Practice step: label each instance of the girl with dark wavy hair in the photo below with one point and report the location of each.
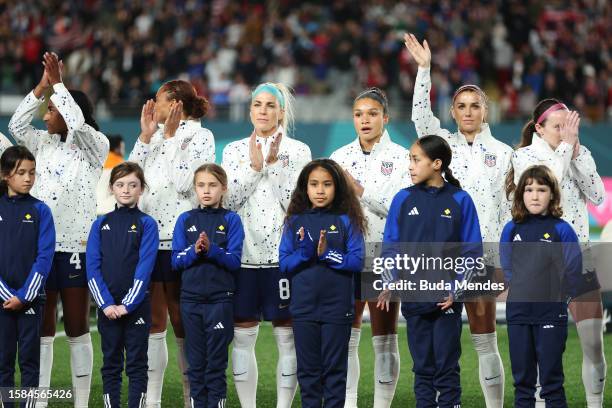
(321, 250)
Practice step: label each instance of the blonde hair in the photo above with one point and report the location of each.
(286, 104)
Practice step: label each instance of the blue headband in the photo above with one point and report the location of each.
(272, 89)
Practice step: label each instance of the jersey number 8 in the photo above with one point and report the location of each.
(283, 289)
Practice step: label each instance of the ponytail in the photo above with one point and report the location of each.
(448, 176)
(527, 134)
(288, 122)
(509, 183)
(194, 105)
(436, 148)
(527, 137)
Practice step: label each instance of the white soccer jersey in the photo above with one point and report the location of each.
(382, 173)
(578, 178)
(480, 168)
(261, 197)
(67, 173)
(4, 143)
(169, 165)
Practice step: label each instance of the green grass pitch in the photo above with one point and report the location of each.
(267, 354)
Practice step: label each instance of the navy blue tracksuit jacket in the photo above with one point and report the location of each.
(208, 278)
(121, 252)
(420, 214)
(27, 245)
(542, 264)
(322, 300)
(424, 215)
(322, 288)
(207, 292)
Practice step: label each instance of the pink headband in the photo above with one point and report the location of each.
(554, 108)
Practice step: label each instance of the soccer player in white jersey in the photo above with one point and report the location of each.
(171, 145)
(481, 163)
(69, 158)
(262, 172)
(377, 168)
(551, 138)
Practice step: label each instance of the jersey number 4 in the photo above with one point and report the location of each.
(75, 260)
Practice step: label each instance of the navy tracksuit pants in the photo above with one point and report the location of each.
(125, 340)
(536, 347)
(434, 340)
(322, 362)
(20, 331)
(209, 330)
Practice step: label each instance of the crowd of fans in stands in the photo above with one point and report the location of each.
(120, 52)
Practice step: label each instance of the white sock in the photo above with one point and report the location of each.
(183, 366)
(286, 368)
(352, 374)
(244, 365)
(81, 366)
(46, 363)
(157, 356)
(539, 402)
(490, 368)
(386, 369)
(590, 332)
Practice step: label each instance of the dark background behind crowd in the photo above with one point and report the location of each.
(120, 52)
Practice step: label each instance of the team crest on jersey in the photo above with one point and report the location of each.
(386, 168)
(333, 229)
(490, 159)
(546, 237)
(185, 143)
(284, 159)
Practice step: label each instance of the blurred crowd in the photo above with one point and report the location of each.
(120, 51)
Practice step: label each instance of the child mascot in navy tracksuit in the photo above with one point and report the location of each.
(434, 210)
(27, 243)
(543, 275)
(206, 249)
(121, 252)
(321, 249)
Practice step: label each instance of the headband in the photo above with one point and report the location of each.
(554, 108)
(272, 89)
(469, 87)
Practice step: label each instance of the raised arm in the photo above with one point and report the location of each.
(5, 143)
(187, 155)
(584, 172)
(424, 120)
(20, 124)
(92, 143)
